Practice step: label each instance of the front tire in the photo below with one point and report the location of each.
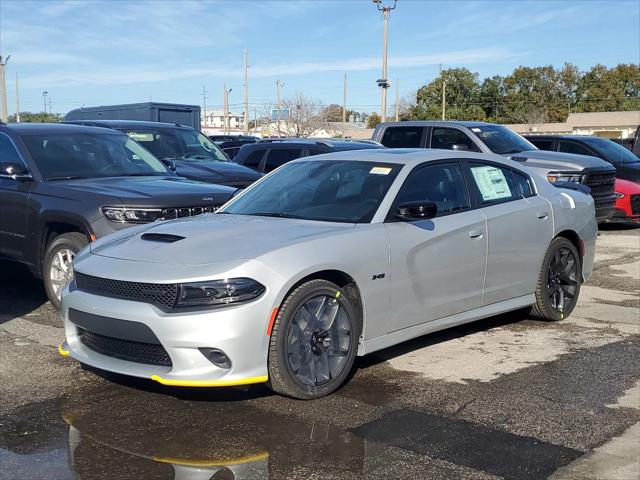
(558, 284)
(57, 267)
(314, 341)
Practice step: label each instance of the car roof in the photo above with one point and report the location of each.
(431, 123)
(322, 142)
(129, 124)
(404, 156)
(62, 128)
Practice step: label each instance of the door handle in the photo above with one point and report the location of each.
(543, 215)
(476, 233)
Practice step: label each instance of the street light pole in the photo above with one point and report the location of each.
(204, 104)
(227, 126)
(383, 82)
(279, 85)
(246, 94)
(3, 86)
(44, 101)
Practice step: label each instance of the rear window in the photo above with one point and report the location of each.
(279, 156)
(403, 137)
(253, 160)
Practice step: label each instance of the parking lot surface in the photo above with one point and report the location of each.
(508, 397)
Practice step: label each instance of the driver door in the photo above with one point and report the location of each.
(437, 266)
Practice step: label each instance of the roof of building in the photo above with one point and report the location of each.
(583, 120)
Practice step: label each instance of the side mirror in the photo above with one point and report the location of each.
(417, 211)
(460, 147)
(15, 171)
(170, 164)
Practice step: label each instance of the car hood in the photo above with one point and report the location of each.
(560, 161)
(148, 191)
(627, 187)
(212, 238)
(216, 172)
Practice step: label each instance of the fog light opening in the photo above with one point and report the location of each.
(217, 357)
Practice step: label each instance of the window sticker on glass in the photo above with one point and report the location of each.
(380, 171)
(476, 129)
(491, 183)
(141, 136)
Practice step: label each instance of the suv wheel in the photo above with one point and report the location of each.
(313, 342)
(57, 268)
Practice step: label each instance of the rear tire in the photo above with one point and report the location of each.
(559, 281)
(57, 267)
(314, 341)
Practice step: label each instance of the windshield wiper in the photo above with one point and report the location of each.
(70, 177)
(508, 152)
(274, 214)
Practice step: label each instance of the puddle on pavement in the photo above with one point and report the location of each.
(139, 435)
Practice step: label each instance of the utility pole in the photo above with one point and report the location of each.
(279, 85)
(444, 99)
(255, 119)
(344, 101)
(246, 94)
(17, 101)
(383, 82)
(3, 85)
(50, 106)
(44, 101)
(227, 125)
(204, 104)
(397, 101)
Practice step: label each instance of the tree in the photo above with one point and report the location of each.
(42, 117)
(306, 116)
(491, 94)
(373, 120)
(603, 89)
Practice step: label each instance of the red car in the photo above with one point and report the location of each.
(627, 202)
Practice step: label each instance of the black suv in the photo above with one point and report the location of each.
(62, 186)
(627, 164)
(194, 155)
(268, 155)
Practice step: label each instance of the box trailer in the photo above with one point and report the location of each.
(147, 111)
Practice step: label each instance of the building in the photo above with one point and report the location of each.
(600, 124)
(213, 122)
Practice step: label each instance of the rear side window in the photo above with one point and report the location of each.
(573, 147)
(253, 160)
(452, 139)
(523, 184)
(542, 144)
(495, 184)
(279, 156)
(403, 137)
(314, 151)
(8, 153)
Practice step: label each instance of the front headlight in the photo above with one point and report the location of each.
(555, 177)
(218, 292)
(619, 195)
(132, 215)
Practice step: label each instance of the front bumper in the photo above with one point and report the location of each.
(238, 331)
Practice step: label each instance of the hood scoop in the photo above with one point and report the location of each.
(161, 237)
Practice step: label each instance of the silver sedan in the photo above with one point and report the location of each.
(325, 259)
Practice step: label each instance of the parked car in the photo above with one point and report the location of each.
(327, 258)
(627, 201)
(187, 151)
(492, 138)
(62, 186)
(269, 154)
(627, 164)
(232, 147)
(218, 139)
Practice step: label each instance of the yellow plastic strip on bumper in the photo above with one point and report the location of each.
(62, 351)
(211, 463)
(209, 383)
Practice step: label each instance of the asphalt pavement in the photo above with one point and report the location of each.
(507, 397)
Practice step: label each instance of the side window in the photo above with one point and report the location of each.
(523, 185)
(542, 144)
(402, 137)
(452, 139)
(314, 151)
(495, 184)
(573, 147)
(8, 153)
(253, 160)
(441, 184)
(280, 156)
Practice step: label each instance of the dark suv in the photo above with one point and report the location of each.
(486, 137)
(627, 164)
(62, 186)
(194, 155)
(269, 154)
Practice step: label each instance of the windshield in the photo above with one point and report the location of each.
(178, 144)
(88, 155)
(614, 152)
(334, 191)
(502, 140)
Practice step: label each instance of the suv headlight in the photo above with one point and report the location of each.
(218, 292)
(132, 215)
(554, 177)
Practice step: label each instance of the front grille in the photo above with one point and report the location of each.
(163, 295)
(149, 353)
(635, 204)
(601, 184)
(171, 213)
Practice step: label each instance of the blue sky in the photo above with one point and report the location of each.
(94, 52)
